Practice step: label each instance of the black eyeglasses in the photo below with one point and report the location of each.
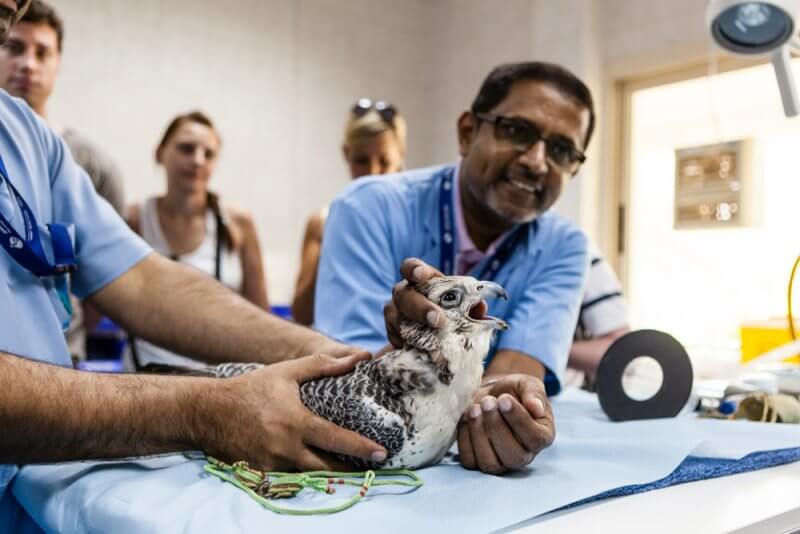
(522, 135)
(386, 110)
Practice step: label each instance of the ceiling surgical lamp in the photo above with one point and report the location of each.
(767, 28)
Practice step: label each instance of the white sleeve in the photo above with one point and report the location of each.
(603, 309)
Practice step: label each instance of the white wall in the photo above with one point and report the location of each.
(279, 76)
(651, 34)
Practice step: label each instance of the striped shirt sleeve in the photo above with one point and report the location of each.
(603, 309)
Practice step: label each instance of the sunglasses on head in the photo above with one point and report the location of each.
(386, 110)
(522, 135)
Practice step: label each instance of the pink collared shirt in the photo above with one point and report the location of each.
(467, 255)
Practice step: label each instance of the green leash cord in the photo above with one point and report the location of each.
(265, 487)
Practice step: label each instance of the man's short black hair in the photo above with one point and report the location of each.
(498, 83)
(42, 13)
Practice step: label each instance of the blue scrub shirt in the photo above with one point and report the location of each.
(41, 168)
(378, 222)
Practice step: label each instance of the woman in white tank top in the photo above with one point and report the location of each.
(189, 225)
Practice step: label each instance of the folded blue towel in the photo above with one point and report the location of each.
(696, 468)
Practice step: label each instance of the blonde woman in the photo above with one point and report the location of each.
(189, 225)
(374, 143)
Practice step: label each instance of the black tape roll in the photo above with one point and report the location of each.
(676, 370)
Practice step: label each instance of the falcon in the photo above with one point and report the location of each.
(410, 400)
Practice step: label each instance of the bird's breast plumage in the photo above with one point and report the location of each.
(400, 402)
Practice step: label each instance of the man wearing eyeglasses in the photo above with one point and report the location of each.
(487, 216)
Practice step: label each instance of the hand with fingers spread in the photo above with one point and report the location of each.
(259, 417)
(410, 305)
(508, 424)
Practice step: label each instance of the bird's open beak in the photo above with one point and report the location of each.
(492, 290)
(489, 290)
(496, 322)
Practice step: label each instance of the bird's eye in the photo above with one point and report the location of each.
(450, 298)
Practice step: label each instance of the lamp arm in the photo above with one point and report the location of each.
(782, 63)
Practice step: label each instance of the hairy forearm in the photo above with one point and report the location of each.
(51, 413)
(180, 309)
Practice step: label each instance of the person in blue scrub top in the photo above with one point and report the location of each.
(488, 216)
(52, 223)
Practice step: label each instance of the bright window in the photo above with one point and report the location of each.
(701, 284)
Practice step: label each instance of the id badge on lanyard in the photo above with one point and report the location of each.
(27, 250)
(448, 246)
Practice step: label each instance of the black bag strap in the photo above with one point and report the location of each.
(218, 247)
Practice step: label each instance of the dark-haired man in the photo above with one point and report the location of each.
(30, 61)
(487, 216)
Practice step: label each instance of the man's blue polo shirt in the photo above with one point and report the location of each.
(377, 222)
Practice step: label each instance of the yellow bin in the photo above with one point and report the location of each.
(760, 336)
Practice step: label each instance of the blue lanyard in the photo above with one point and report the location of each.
(28, 251)
(448, 247)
